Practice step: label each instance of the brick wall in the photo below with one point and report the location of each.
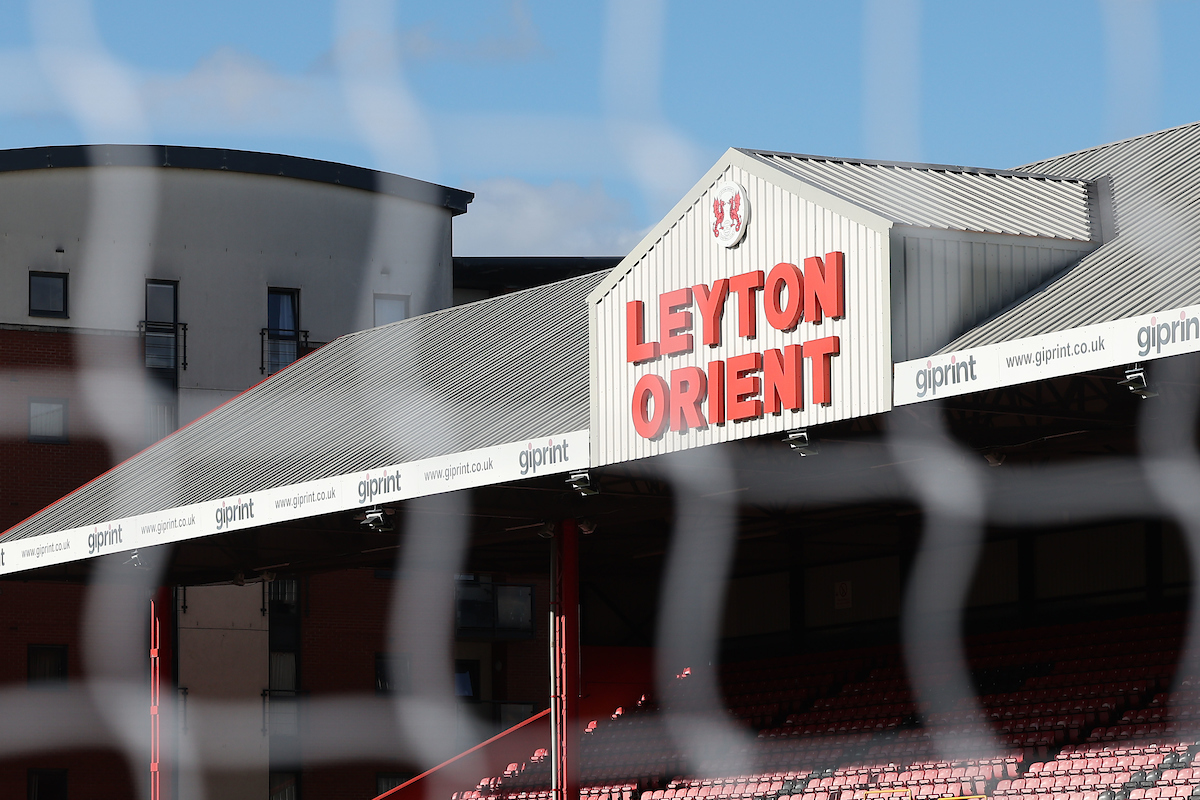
(101, 379)
(49, 613)
(81, 369)
(344, 616)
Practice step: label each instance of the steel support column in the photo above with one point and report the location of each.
(162, 659)
(564, 661)
(155, 699)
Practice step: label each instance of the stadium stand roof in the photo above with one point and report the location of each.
(515, 367)
(1151, 264)
(952, 198)
(495, 371)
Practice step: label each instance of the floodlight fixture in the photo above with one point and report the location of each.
(582, 483)
(376, 519)
(801, 442)
(1135, 381)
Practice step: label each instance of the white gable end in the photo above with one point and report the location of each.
(744, 356)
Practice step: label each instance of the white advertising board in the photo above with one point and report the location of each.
(1109, 344)
(760, 305)
(466, 470)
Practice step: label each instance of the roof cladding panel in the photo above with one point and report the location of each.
(952, 198)
(1152, 265)
(463, 378)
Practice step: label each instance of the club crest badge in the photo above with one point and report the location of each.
(730, 213)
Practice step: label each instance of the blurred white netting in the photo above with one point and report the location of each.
(956, 495)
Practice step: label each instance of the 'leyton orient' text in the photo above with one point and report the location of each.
(744, 386)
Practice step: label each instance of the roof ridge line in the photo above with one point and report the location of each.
(1107, 145)
(448, 309)
(916, 165)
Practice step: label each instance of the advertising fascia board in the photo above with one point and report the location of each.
(470, 469)
(1052, 355)
(767, 172)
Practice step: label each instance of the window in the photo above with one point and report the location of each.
(48, 294)
(386, 781)
(162, 313)
(47, 664)
(474, 608)
(284, 594)
(283, 328)
(485, 610)
(393, 673)
(283, 719)
(47, 420)
(514, 608)
(46, 784)
(390, 308)
(466, 679)
(284, 786)
(514, 714)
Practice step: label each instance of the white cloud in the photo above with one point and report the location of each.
(24, 89)
(359, 93)
(510, 217)
(233, 90)
(514, 38)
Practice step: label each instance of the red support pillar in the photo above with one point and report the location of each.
(564, 662)
(155, 700)
(161, 661)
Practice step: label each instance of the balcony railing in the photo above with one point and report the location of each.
(163, 343)
(281, 347)
(280, 712)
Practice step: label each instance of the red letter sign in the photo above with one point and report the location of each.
(711, 305)
(670, 321)
(783, 379)
(637, 349)
(821, 352)
(745, 285)
(781, 318)
(688, 387)
(824, 287)
(716, 392)
(650, 388)
(743, 387)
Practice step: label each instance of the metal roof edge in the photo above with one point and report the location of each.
(655, 233)
(1090, 245)
(920, 165)
(736, 158)
(1020, 301)
(244, 161)
(1107, 145)
(474, 303)
(749, 161)
(4, 533)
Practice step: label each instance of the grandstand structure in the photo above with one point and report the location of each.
(1085, 712)
(945, 555)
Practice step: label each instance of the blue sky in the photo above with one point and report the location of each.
(580, 124)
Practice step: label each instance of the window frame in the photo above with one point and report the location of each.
(174, 299)
(377, 296)
(65, 438)
(34, 777)
(393, 674)
(295, 295)
(64, 277)
(57, 682)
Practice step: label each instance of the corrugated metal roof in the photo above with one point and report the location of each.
(952, 198)
(1152, 265)
(500, 370)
